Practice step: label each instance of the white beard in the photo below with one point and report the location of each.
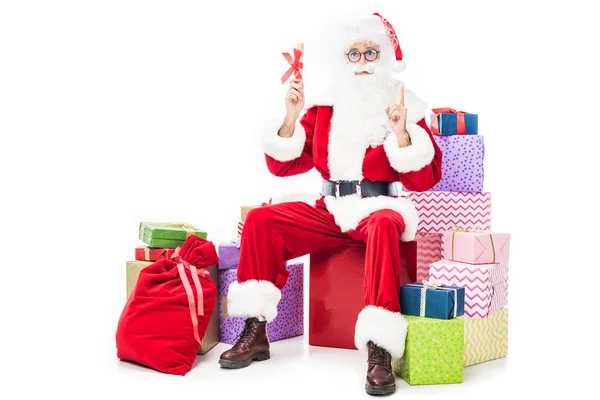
(359, 119)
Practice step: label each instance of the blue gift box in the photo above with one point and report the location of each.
(439, 302)
(447, 123)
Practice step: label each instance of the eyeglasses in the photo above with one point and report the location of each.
(355, 56)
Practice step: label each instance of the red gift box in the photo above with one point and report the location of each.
(152, 254)
(337, 291)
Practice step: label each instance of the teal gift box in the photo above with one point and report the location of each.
(448, 122)
(432, 300)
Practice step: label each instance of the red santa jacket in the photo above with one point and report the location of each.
(317, 143)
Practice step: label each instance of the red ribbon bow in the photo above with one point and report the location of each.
(181, 266)
(263, 204)
(461, 128)
(296, 65)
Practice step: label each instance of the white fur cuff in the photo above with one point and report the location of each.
(413, 157)
(280, 148)
(253, 299)
(384, 328)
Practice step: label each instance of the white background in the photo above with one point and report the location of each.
(112, 112)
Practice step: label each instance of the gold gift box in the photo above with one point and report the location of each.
(244, 210)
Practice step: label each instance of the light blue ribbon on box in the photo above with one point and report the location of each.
(433, 284)
(236, 242)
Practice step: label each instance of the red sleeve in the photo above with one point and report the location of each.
(428, 176)
(304, 162)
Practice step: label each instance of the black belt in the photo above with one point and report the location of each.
(362, 188)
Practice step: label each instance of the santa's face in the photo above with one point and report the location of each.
(366, 67)
(366, 74)
(362, 57)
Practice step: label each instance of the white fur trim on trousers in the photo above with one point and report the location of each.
(413, 157)
(385, 328)
(349, 211)
(253, 299)
(280, 148)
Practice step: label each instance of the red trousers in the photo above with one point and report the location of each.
(280, 232)
(277, 233)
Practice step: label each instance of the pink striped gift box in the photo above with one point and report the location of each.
(429, 250)
(443, 211)
(486, 285)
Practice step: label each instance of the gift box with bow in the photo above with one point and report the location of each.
(476, 246)
(168, 235)
(486, 285)
(434, 352)
(432, 299)
(295, 63)
(152, 254)
(447, 121)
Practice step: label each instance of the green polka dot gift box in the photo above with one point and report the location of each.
(434, 352)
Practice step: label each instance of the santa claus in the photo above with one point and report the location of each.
(372, 135)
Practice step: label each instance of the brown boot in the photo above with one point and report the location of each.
(380, 379)
(252, 345)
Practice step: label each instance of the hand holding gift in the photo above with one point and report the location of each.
(294, 98)
(396, 114)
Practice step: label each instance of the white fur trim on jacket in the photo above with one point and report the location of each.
(413, 157)
(253, 299)
(280, 148)
(385, 328)
(348, 211)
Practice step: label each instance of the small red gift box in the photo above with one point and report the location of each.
(152, 254)
(337, 291)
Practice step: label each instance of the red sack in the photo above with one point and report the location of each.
(168, 311)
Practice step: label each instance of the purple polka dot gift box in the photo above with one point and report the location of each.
(229, 254)
(462, 164)
(290, 310)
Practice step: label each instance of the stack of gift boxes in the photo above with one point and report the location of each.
(458, 199)
(290, 310)
(161, 240)
(456, 316)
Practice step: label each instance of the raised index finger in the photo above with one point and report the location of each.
(401, 101)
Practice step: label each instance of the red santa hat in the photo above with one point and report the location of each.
(391, 34)
(377, 29)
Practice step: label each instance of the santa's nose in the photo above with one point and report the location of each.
(363, 60)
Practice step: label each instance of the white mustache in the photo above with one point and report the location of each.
(358, 68)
